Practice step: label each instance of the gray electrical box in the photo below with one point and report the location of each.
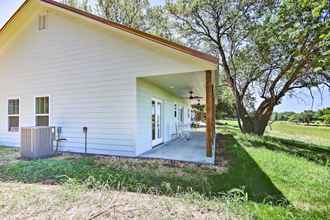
(37, 142)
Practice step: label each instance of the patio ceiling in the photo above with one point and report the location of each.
(180, 84)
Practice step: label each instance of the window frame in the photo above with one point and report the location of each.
(43, 114)
(181, 114)
(13, 115)
(42, 18)
(175, 112)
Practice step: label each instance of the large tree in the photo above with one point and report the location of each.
(131, 13)
(138, 14)
(266, 49)
(81, 4)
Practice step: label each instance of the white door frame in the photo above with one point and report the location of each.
(159, 127)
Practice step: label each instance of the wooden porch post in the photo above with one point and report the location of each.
(209, 113)
(213, 114)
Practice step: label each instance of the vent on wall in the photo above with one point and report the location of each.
(42, 22)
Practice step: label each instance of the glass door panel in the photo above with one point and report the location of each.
(156, 120)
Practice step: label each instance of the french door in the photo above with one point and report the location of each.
(156, 122)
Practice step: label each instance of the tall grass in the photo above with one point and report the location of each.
(261, 177)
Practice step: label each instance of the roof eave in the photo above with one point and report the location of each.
(154, 38)
(147, 36)
(13, 16)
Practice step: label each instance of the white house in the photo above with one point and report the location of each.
(60, 66)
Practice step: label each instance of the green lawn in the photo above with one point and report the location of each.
(303, 182)
(261, 178)
(317, 135)
(311, 134)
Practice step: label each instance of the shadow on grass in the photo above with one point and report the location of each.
(311, 152)
(242, 172)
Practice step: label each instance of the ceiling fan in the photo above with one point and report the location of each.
(191, 97)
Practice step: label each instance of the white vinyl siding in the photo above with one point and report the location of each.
(90, 74)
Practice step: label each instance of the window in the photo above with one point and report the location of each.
(42, 22)
(181, 111)
(175, 110)
(42, 111)
(13, 115)
(153, 120)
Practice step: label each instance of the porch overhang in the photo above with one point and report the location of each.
(202, 84)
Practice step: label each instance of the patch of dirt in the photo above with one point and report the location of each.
(177, 168)
(8, 155)
(152, 163)
(30, 201)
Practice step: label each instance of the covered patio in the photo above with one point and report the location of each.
(165, 111)
(181, 149)
(174, 95)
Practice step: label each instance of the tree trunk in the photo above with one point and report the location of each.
(254, 124)
(248, 124)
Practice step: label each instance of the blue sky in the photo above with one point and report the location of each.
(298, 103)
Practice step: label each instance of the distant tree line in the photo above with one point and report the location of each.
(322, 116)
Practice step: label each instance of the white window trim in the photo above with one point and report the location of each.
(14, 115)
(49, 109)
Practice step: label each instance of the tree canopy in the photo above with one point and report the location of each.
(138, 14)
(267, 49)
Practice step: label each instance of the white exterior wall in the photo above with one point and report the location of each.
(90, 74)
(146, 91)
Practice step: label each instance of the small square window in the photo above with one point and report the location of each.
(42, 105)
(42, 120)
(42, 111)
(13, 123)
(13, 106)
(13, 115)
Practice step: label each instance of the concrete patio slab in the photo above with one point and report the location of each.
(193, 150)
